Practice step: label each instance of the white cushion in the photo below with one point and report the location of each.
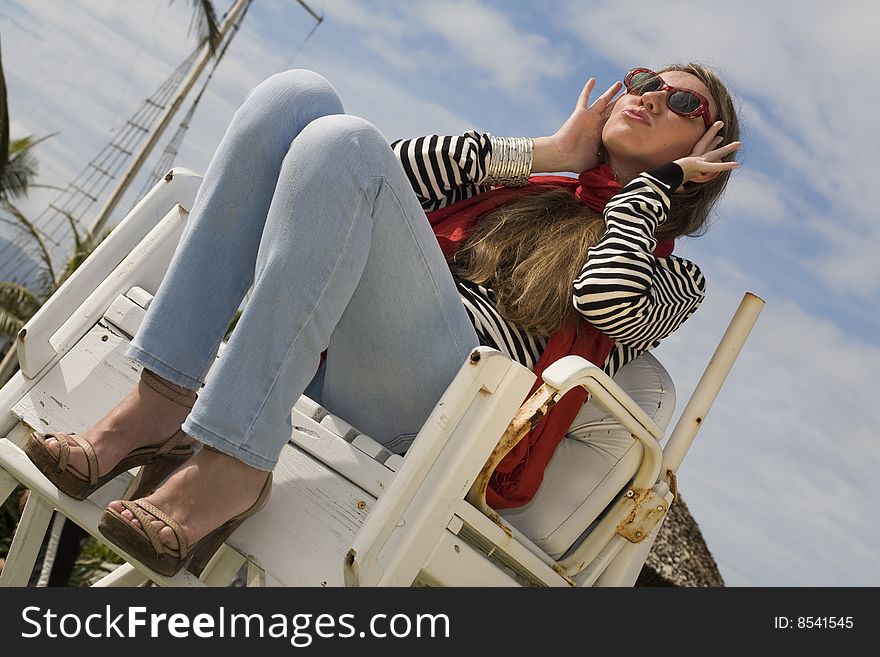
(593, 462)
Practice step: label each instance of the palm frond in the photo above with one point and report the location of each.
(17, 306)
(83, 246)
(204, 18)
(30, 228)
(54, 188)
(21, 169)
(46, 283)
(17, 146)
(28, 143)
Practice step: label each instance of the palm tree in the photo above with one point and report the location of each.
(18, 168)
(18, 165)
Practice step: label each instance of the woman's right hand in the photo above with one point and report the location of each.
(575, 146)
(704, 162)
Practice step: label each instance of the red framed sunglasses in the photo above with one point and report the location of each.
(683, 102)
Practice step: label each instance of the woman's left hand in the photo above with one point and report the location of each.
(704, 162)
(575, 146)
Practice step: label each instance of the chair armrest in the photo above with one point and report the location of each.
(571, 371)
(35, 351)
(560, 377)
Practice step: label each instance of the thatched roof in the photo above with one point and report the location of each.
(680, 556)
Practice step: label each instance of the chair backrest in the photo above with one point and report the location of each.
(594, 462)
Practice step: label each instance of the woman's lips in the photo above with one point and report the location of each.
(636, 116)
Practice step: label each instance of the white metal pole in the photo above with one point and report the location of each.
(171, 110)
(625, 568)
(713, 378)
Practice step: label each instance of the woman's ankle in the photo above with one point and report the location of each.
(171, 391)
(166, 382)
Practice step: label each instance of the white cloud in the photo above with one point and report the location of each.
(482, 39)
(515, 59)
(849, 264)
(756, 195)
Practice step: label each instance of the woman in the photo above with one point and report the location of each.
(313, 210)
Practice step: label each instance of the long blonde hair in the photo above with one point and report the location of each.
(529, 251)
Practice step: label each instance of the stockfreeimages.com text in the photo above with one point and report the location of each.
(300, 629)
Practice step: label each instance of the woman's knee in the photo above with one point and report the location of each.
(342, 136)
(297, 95)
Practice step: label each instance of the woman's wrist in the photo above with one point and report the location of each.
(550, 156)
(670, 174)
(547, 157)
(511, 161)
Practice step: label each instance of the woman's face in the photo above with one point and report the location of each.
(642, 132)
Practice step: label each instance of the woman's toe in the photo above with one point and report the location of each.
(166, 534)
(118, 507)
(130, 517)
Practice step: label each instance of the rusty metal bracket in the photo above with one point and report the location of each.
(646, 510)
(529, 414)
(673, 481)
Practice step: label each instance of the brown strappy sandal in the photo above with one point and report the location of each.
(146, 547)
(158, 461)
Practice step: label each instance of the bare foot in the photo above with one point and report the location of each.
(209, 490)
(144, 417)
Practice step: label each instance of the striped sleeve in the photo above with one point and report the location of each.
(624, 290)
(443, 170)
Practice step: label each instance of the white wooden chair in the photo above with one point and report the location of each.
(343, 509)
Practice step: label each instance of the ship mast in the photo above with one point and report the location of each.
(147, 148)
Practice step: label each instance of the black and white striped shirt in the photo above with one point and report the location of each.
(623, 289)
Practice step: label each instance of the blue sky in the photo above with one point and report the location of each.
(779, 477)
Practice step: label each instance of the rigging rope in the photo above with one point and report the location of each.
(167, 158)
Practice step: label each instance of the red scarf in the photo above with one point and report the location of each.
(519, 475)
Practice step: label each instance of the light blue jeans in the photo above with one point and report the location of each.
(311, 207)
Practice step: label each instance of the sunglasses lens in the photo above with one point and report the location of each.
(683, 102)
(643, 82)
